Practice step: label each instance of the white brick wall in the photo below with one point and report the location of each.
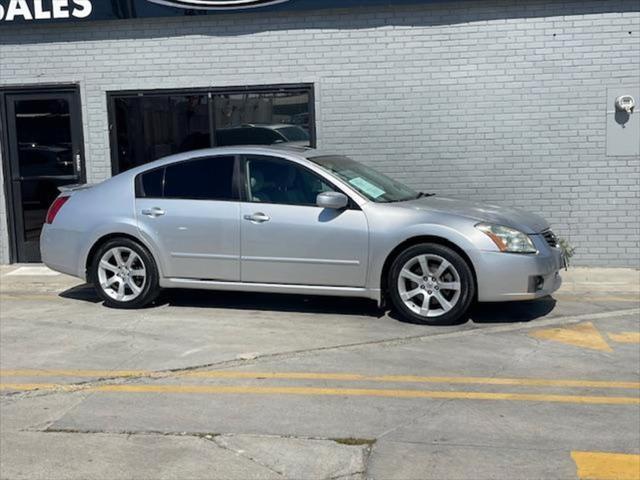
(468, 99)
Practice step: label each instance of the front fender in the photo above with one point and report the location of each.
(469, 240)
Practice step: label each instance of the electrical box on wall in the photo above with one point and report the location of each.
(623, 121)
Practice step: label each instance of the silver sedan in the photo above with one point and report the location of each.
(288, 220)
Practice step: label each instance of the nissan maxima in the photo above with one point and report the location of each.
(293, 220)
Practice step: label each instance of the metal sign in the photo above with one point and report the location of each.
(44, 11)
(23, 10)
(217, 4)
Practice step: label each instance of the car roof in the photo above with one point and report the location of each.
(306, 152)
(289, 151)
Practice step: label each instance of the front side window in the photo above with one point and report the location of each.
(282, 182)
(201, 179)
(372, 184)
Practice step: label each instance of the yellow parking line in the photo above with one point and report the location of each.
(607, 466)
(527, 382)
(625, 337)
(583, 335)
(27, 387)
(345, 392)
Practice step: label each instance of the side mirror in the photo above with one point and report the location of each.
(334, 200)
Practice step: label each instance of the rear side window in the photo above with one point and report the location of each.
(150, 184)
(201, 179)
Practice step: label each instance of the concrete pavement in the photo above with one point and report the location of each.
(218, 385)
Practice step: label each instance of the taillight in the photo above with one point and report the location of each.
(55, 208)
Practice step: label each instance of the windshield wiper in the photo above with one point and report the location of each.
(425, 195)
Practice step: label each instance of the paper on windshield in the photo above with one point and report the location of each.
(367, 187)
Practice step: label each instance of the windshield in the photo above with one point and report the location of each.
(294, 134)
(372, 184)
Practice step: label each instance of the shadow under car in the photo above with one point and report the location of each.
(481, 313)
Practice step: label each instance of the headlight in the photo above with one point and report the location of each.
(507, 239)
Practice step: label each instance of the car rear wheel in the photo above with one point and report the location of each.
(431, 284)
(124, 274)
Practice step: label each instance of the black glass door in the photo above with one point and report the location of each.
(44, 133)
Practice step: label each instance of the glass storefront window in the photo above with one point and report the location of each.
(150, 126)
(262, 119)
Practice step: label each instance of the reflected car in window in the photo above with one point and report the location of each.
(293, 220)
(263, 135)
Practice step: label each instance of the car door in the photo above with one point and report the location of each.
(288, 239)
(190, 210)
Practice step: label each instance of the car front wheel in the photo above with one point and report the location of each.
(431, 284)
(124, 274)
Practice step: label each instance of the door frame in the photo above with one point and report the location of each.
(9, 194)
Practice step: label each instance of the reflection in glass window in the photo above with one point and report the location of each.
(262, 118)
(282, 182)
(45, 151)
(153, 127)
(43, 128)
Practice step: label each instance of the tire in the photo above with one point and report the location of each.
(449, 292)
(139, 278)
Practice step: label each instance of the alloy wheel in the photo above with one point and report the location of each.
(429, 285)
(122, 274)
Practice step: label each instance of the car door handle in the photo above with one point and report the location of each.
(153, 212)
(258, 217)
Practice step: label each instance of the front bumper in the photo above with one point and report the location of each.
(504, 277)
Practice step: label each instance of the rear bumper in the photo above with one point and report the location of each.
(504, 277)
(60, 250)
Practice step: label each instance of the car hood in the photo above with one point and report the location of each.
(482, 212)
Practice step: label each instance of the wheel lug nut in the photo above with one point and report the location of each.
(429, 292)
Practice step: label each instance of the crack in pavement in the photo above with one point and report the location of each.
(436, 406)
(215, 439)
(348, 475)
(206, 435)
(243, 454)
(368, 452)
(169, 373)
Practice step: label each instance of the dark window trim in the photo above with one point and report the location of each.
(112, 95)
(234, 180)
(64, 87)
(244, 185)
